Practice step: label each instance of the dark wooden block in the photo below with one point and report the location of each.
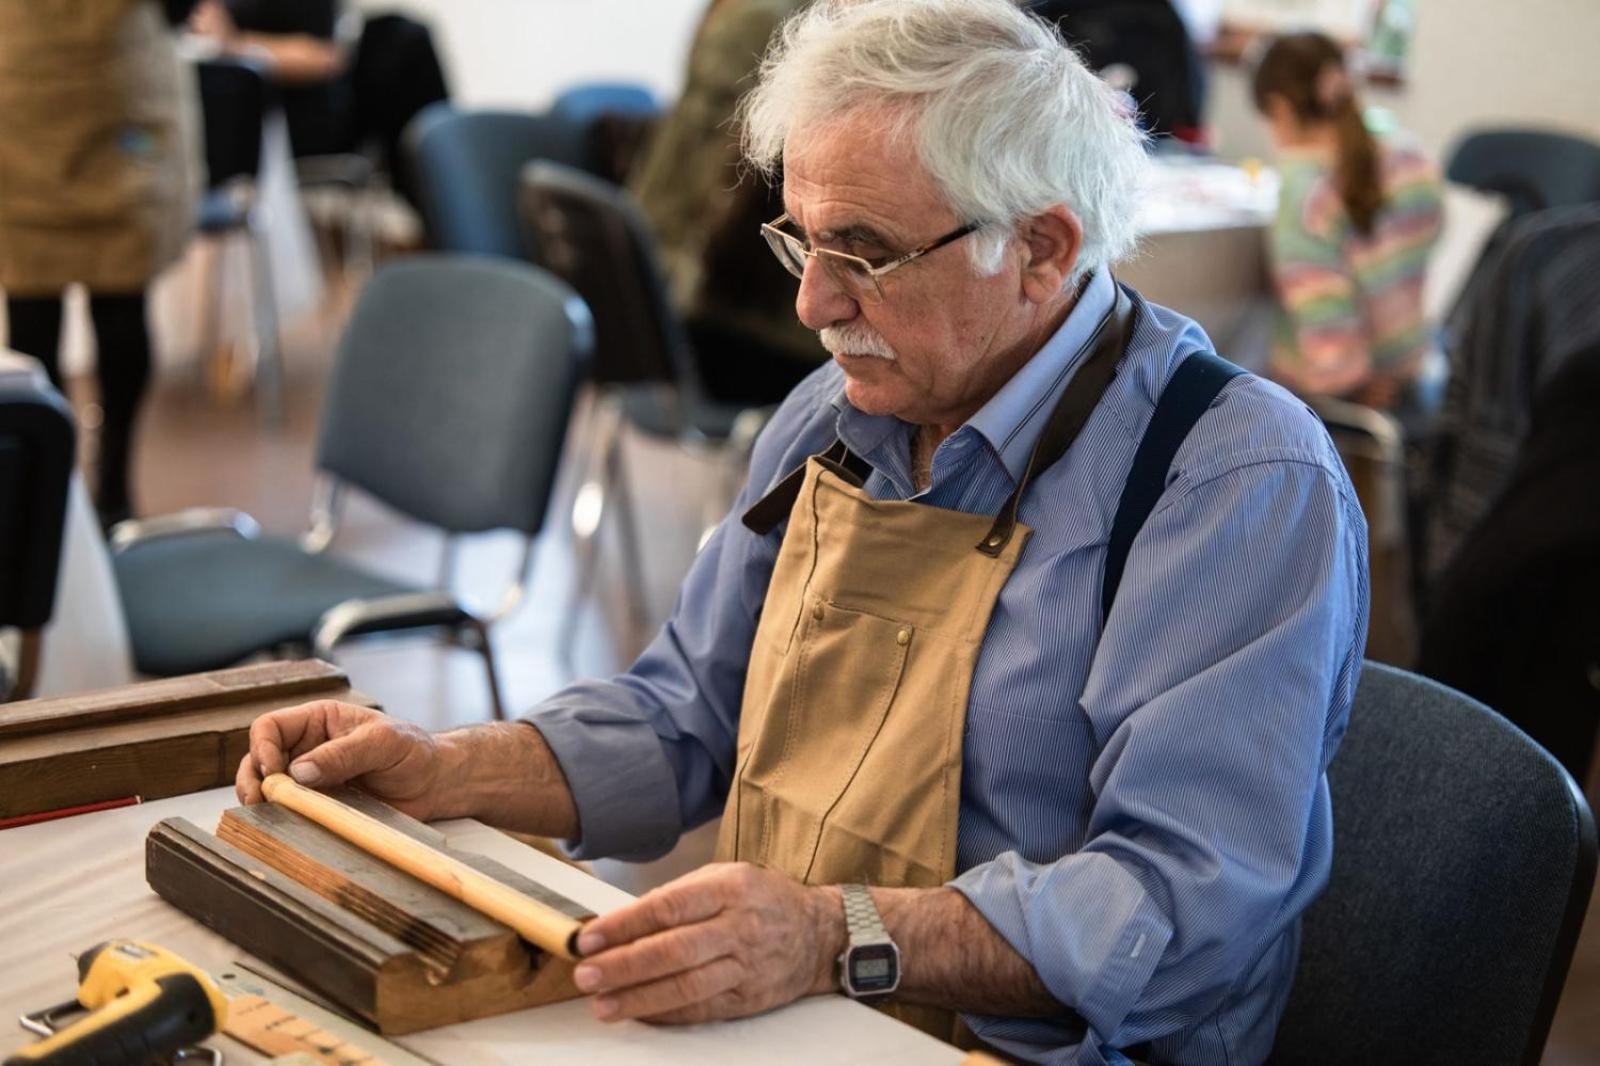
(152, 740)
(377, 942)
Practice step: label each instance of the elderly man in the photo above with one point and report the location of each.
(1088, 824)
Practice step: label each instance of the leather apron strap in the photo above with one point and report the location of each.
(1066, 421)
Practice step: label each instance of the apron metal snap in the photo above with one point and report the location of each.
(903, 637)
(994, 541)
(816, 612)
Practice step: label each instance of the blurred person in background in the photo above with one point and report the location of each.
(737, 302)
(1357, 219)
(303, 48)
(98, 150)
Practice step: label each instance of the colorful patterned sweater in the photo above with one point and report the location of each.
(1352, 303)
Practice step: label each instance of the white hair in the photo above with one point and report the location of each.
(1008, 119)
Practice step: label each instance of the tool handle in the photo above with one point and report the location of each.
(147, 1024)
(538, 924)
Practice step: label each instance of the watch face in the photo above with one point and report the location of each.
(873, 969)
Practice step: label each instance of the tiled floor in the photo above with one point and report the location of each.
(193, 452)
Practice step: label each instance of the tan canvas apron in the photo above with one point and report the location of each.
(850, 732)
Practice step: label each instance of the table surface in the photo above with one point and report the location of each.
(67, 885)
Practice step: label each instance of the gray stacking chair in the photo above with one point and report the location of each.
(37, 439)
(465, 165)
(448, 402)
(592, 234)
(1463, 860)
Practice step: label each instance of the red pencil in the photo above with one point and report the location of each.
(67, 812)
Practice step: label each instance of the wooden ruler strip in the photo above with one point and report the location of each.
(274, 1021)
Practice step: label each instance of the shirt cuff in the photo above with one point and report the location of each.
(622, 784)
(1085, 924)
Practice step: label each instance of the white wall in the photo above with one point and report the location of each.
(1473, 63)
(519, 53)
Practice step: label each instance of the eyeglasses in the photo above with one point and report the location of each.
(857, 276)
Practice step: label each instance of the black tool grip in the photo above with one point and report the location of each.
(179, 1015)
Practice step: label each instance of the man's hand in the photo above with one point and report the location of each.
(501, 772)
(725, 941)
(326, 743)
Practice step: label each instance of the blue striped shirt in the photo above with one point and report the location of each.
(1144, 808)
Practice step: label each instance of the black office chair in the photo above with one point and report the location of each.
(1533, 169)
(37, 440)
(1463, 860)
(234, 99)
(466, 166)
(448, 402)
(592, 234)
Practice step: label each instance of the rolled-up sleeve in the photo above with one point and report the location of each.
(649, 753)
(1217, 695)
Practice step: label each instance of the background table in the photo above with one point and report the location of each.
(67, 885)
(1202, 251)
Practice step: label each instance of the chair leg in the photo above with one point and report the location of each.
(480, 637)
(628, 531)
(210, 329)
(269, 352)
(601, 434)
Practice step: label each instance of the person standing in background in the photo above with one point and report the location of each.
(1357, 219)
(98, 185)
(736, 301)
(304, 50)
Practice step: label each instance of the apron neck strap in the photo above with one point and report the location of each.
(1067, 419)
(1077, 403)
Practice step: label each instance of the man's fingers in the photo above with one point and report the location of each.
(675, 993)
(277, 737)
(655, 957)
(247, 782)
(369, 747)
(677, 903)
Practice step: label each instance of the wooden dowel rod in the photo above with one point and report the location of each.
(538, 924)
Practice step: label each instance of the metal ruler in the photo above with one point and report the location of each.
(271, 1019)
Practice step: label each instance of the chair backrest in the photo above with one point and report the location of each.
(616, 121)
(1534, 169)
(452, 388)
(584, 104)
(1462, 865)
(592, 234)
(233, 104)
(465, 165)
(37, 440)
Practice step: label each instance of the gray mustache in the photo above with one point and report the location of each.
(856, 340)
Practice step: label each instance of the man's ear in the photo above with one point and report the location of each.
(1050, 245)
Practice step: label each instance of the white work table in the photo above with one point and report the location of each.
(69, 884)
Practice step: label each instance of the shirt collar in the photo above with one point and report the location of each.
(1013, 418)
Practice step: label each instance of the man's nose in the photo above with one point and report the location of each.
(822, 301)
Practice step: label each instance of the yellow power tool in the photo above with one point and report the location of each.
(145, 1004)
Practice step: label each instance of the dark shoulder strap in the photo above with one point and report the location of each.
(767, 513)
(1196, 382)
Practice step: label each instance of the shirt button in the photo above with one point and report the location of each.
(816, 612)
(903, 637)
